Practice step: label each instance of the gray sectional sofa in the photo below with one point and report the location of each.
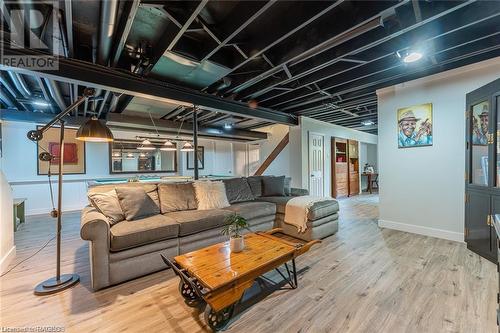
(129, 249)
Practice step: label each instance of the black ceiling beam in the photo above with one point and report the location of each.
(326, 59)
(84, 73)
(239, 29)
(124, 26)
(283, 37)
(68, 19)
(186, 25)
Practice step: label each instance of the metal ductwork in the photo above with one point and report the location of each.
(20, 84)
(109, 9)
(55, 93)
(8, 86)
(5, 98)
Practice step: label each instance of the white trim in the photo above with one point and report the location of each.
(7, 259)
(420, 230)
(41, 211)
(310, 133)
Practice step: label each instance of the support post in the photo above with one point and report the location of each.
(195, 141)
(59, 199)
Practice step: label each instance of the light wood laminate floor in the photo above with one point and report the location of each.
(363, 279)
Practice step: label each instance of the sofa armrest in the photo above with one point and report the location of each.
(297, 192)
(95, 228)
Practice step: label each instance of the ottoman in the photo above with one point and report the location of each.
(323, 218)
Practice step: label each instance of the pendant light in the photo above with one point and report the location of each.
(94, 131)
(188, 146)
(117, 155)
(130, 156)
(168, 146)
(142, 155)
(146, 145)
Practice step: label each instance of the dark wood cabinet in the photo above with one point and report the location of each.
(345, 167)
(482, 174)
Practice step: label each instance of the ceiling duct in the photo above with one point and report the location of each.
(5, 98)
(20, 84)
(107, 24)
(55, 93)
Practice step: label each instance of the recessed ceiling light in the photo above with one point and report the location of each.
(409, 56)
(367, 123)
(228, 126)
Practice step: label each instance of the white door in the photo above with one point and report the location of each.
(316, 168)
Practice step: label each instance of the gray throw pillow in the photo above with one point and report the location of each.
(255, 183)
(273, 186)
(176, 197)
(288, 187)
(108, 204)
(136, 203)
(238, 190)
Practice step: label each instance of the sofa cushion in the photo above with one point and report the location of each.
(108, 204)
(273, 186)
(210, 194)
(255, 183)
(176, 196)
(280, 202)
(151, 189)
(288, 186)
(238, 190)
(253, 210)
(194, 221)
(136, 203)
(129, 234)
(322, 209)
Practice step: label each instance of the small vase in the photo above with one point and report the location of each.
(237, 244)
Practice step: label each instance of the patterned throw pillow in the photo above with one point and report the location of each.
(210, 194)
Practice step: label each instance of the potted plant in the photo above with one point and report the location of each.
(234, 224)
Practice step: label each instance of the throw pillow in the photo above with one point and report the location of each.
(288, 187)
(273, 186)
(210, 195)
(107, 203)
(176, 197)
(255, 183)
(238, 190)
(136, 203)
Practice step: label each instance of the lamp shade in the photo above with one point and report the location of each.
(146, 145)
(188, 146)
(94, 131)
(168, 146)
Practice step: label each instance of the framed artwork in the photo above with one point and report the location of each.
(74, 152)
(415, 126)
(200, 157)
(480, 121)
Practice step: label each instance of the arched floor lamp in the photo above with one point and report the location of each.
(94, 131)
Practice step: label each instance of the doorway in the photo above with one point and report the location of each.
(316, 164)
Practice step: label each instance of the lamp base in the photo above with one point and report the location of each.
(53, 285)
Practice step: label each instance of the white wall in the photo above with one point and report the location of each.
(299, 137)
(281, 164)
(422, 189)
(7, 248)
(367, 154)
(20, 163)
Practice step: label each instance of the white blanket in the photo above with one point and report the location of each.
(297, 210)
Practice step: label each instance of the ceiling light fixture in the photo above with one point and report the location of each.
(130, 156)
(409, 56)
(188, 146)
(168, 146)
(228, 126)
(40, 102)
(367, 123)
(146, 145)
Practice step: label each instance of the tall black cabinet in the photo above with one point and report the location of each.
(482, 171)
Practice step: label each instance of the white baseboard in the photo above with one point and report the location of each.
(420, 230)
(41, 211)
(7, 259)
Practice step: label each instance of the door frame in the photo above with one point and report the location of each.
(309, 133)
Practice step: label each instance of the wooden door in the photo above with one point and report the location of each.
(482, 185)
(316, 167)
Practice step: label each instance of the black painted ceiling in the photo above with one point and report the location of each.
(322, 59)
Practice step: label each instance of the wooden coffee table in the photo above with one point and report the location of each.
(218, 277)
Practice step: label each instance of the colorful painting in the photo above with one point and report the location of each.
(74, 152)
(70, 153)
(415, 126)
(480, 123)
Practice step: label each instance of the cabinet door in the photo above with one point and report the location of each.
(479, 232)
